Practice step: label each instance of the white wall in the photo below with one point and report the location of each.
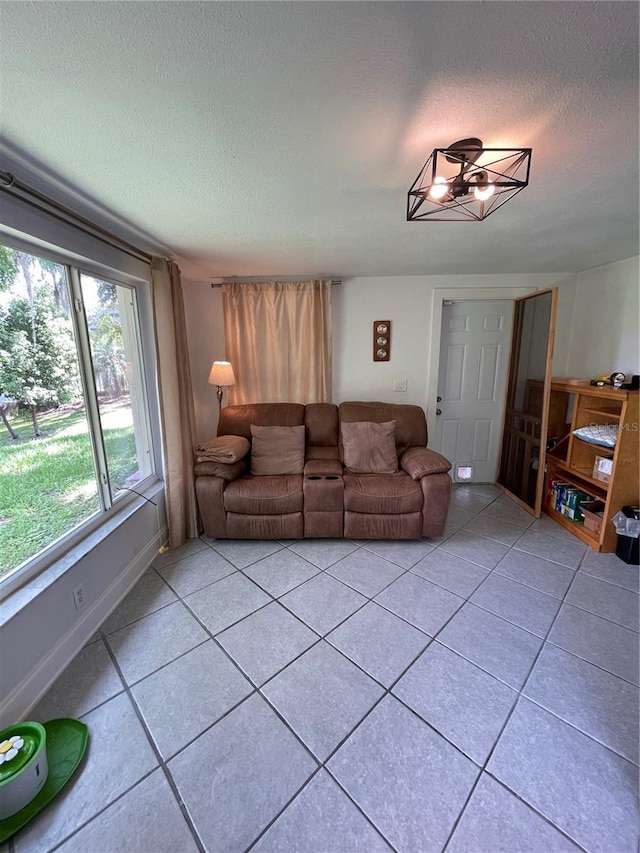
(205, 334)
(408, 303)
(606, 324)
(405, 300)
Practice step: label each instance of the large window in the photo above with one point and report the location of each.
(74, 435)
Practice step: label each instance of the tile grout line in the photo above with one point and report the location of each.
(596, 665)
(467, 600)
(56, 845)
(161, 762)
(539, 591)
(386, 692)
(321, 764)
(592, 737)
(160, 766)
(520, 695)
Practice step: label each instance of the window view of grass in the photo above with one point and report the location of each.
(48, 479)
(48, 483)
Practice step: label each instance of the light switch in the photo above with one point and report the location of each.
(399, 384)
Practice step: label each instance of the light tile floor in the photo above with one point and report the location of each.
(474, 693)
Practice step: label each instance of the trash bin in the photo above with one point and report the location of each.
(627, 524)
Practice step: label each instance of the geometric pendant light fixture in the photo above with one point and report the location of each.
(466, 182)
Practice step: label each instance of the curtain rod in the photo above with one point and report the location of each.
(9, 184)
(336, 282)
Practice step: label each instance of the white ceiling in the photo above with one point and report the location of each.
(280, 138)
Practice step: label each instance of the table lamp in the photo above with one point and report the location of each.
(221, 375)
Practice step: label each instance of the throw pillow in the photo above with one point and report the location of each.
(369, 448)
(225, 448)
(277, 450)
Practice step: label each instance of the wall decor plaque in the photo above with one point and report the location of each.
(381, 340)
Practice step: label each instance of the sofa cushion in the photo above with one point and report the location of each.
(277, 450)
(264, 495)
(382, 493)
(321, 422)
(369, 448)
(411, 424)
(224, 448)
(237, 420)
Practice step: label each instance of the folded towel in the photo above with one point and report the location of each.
(225, 448)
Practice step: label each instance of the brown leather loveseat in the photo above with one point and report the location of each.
(361, 470)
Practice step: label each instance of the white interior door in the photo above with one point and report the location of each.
(472, 375)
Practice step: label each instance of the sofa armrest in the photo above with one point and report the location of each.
(225, 470)
(418, 462)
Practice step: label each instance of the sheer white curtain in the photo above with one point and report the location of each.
(176, 401)
(278, 339)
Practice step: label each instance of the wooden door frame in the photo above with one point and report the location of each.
(457, 294)
(536, 509)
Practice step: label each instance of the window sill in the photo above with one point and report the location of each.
(24, 592)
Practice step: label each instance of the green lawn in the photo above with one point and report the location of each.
(48, 484)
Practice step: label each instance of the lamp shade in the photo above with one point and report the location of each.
(222, 373)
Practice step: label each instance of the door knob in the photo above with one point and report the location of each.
(438, 411)
(438, 399)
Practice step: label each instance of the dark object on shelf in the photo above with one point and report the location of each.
(627, 547)
(616, 379)
(634, 385)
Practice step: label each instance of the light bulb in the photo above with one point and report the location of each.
(439, 188)
(484, 194)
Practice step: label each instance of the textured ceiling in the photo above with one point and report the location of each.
(280, 138)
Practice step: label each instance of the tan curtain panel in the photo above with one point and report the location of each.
(278, 339)
(176, 401)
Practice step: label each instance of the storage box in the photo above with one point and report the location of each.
(602, 468)
(561, 495)
(555, 484)
(593, 515)
(573, 500)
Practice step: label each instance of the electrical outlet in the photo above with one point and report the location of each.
(78, 597)
(399, 384)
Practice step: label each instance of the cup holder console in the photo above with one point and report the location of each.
(323, 504)
(323, 477)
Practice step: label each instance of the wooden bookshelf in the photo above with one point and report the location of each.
(574, 404)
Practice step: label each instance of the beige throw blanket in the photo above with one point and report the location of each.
(225, 448)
